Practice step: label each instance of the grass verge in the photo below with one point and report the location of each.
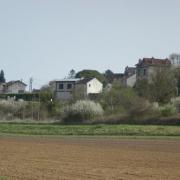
(89, 130)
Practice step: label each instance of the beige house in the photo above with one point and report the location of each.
(13, 87)
(67, 88)
(149, 66)
(88, 86)
(130, 76)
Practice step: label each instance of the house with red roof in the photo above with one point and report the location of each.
(146, 67)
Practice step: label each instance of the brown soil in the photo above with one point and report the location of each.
(28, 158)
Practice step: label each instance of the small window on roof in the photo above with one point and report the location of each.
(61, 86)
(89, 85)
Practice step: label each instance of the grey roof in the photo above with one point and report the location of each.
(85, 80)
(14, 82)
(69, 80)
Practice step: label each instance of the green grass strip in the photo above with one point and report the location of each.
(89, 130)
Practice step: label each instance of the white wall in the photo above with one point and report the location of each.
(94, 86)
(131, 81)
(15, 88)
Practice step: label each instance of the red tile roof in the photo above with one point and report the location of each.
(154, 62)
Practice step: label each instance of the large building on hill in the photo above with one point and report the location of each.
(146, 67)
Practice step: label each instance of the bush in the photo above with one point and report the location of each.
(167, 110)
(10, 108)
(82, 110)
(176, 103)
(139, 107)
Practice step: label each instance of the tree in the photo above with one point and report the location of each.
(90, 74)
(118, 98)
(109, 75)
(72, 74)
(142, 88)
(177, 76)
(2, 78)
(161, 88)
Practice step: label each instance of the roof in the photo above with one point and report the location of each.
(154, 62)
(85, 80)
(14, 82)
(68, 80)
(129, 71)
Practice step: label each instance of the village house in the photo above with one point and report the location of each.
(148, 66)
(67, 88)
(130, 76)
(12, 87)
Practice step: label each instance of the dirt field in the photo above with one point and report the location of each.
(88, 158)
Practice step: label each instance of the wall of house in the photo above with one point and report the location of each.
(150, 71)
(65, 93)
(15, 88)
(81, 90)
(94, 87)
(1, 88)
(131, 81)
(142, 73)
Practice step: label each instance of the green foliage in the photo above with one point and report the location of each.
(161, 88)
(87, 130)
(176, 103)
(142, 88)
(177, 76)
(109, 75)
(90, 74)
(167, 110)
(118, 99)
(72, 74)
(82, 110)
(2, 78)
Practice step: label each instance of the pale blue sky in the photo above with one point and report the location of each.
(47, 38)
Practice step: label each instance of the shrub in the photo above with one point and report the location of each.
(82, 110)
(167, 110)
(139, 107)
(176, 103)
(10, 108)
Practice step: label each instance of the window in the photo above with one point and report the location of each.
(144, 72)
(69, 86)
(89, 85)
(139, 72)
(61, 86)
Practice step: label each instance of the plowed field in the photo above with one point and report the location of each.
(27, 158)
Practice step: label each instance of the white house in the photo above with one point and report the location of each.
(131, 80)
(88, 86)
(15, 87)
(65, 89)
(12, 87)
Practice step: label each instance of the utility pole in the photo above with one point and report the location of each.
(30, 84)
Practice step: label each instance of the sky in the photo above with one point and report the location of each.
(45, 39)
